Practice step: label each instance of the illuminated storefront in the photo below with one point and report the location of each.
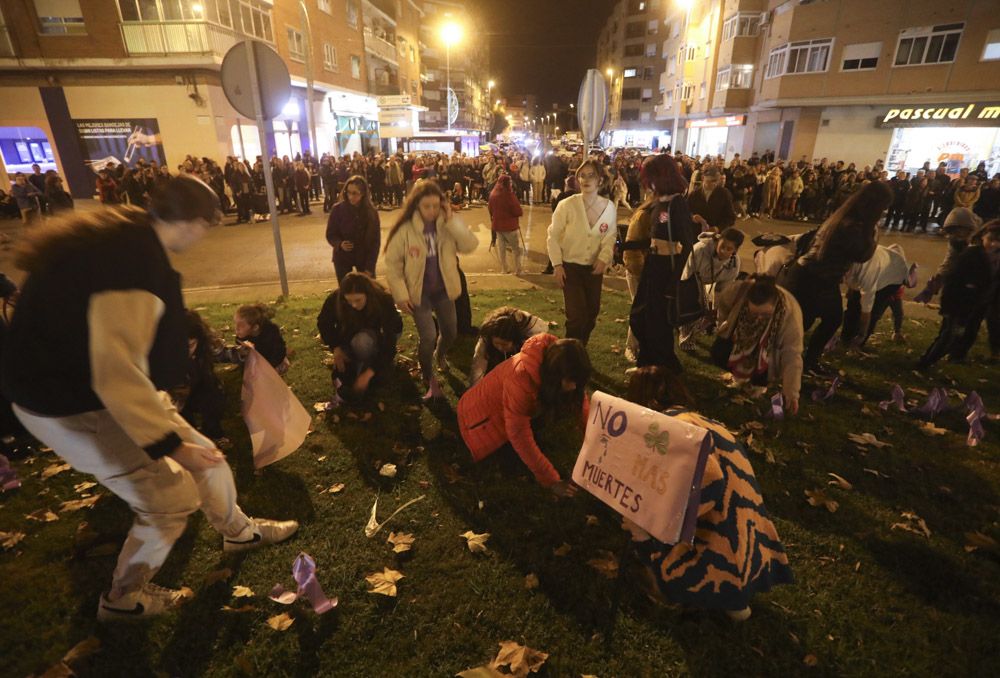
(714, 136)
(961, 135)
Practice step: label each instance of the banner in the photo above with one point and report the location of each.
(644, 465)
(121, 141)
(277, 421)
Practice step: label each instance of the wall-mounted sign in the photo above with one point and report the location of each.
(724, 121)
(394, 100)
(119, 141)
(948, 115)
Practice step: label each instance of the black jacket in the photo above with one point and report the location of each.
(387, 327)
(718, 210)
(969, 284)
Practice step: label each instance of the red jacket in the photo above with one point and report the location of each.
(499, 408)
(504, 209)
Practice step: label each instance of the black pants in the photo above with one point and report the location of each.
(206, 402)
(243, 207)
(894, 216)
(304, 202)
(582, 297)
(884, 298)
(949, 338)
(649, 319)
(463, 308)
(989, 313)
(820, 300)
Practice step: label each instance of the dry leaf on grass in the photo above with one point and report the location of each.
(217, 576)
(373, 526)
(388, 470)
(561, 551)
(77, 504)
(484, 671)
(384, 582)
(819, 498)
(810, 660)
(243, 592)
(322, 407)
(876, 473)
(280, 622)
(753, 426)
(606, 564)
(83, 487)
(241, 608)
(333, 489)
(54, 469)
(520, 659)
(476, 542)
(531, 581)
(401, 541)
(913, 523)
(9, 540)
(839, 481)
(929, 429)
(867, 439)
(42, 516)
(977, 540)
(77, 653)
(592, 520)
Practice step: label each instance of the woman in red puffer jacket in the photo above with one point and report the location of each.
(546, 378)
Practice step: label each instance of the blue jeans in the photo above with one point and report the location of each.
(431, 340)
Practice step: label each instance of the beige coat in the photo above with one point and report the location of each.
(406, 257)
(786, 363)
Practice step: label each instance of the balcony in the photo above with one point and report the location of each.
(178, 37)
(380, 47)
(6, 48)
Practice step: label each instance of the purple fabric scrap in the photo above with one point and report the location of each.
(8, 476)
(777, 407)
(936, 403)
(819, 395)
(304, 573)
(896, 397)
(974, 404)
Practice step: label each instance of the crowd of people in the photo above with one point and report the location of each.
(103, 363)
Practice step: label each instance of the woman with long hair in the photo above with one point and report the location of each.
(660, 238)
(736, 552)
(501, 334)
(544, 381)
(421, 258)
(505, 214)
(847, 237)
(361, 325)
(581, 240)
(353, 230)
(99, 336)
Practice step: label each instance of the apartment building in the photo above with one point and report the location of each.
(471, 108)
(628, 53)
(905, 81)
(86, 82)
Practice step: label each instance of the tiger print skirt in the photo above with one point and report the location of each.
(736, 551)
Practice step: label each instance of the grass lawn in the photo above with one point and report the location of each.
(868, 600)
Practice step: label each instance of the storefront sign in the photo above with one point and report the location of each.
(119, 141)
(725, 121)
(644, 465)
(394, 100)
(963, 115)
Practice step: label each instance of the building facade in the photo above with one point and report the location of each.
(901, 81)
(87, 82)
(628, 53)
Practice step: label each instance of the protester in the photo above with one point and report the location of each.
(56, 197)
(99, 335)
(360, 325)
(501, 334)
(873, 287)
(711, 204)
(421, 258)
(353, 230)
(255, 330)
(736, 552)
(27, 198)
(545, 381)
(580, 243)
(714, 262)
(201, 399)
(505, 212)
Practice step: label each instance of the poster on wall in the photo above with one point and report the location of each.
(119, 141)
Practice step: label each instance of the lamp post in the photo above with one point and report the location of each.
(451, 33)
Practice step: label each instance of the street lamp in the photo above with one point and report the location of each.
(451, 34)
(609, 72)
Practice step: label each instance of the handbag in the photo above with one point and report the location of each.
(685, 302)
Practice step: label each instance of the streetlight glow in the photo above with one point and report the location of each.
(491, 84)
(451, 33)
(609, 72)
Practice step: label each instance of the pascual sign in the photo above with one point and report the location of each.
(964, 115)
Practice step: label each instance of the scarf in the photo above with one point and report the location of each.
(754, 338)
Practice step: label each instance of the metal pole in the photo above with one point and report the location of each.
(268, 180)
(447, 91)
(310, 118)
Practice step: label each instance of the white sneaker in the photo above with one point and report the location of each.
(265, 532)
(149, 601)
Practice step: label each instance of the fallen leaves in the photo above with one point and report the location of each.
(876, 473)
(476, 542)
(929, 429)
(76, 654)
(384, 583)
(519, 659)
(606, 564)
(401, 542)
(531, 582)
(839, 481)
(978, 541)
(561, 551)
(77, 504)
(592, 520)
(373, 526)
(810, 660)
(54, 469)
(388, 470)
(280, 622)
(865, 439)
(818, 498)
(42, 516)
(333, 489)
(80, 488)
(9, 540)
(912, 523)
(243, 592)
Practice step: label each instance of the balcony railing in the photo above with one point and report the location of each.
(381, 48)
(178, 37)
(6, 48)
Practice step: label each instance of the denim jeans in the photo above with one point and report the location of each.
(443, 309)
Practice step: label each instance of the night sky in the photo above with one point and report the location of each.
(542, 47)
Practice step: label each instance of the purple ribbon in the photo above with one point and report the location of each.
(937, 402)
(820, 396)
(304, 573)
(777, 407)
(896, 397)
(8, 476)
(974, 404)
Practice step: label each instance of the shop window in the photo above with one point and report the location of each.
(741, 25)
(296, 44)
(355, 67)
(329, 57)
(860, 57)
(324, 6)
(60, 17)
(352, 14)
(631, 72)
(633, 50)
(810, 56)
(934, 45)
(991, 51)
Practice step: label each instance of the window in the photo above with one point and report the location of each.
(324, 6)
(633, 50)
(809, 56)
(668, 99)
(935, 45)
(647, 73)
(741, 25)
(860, 57)
(701, 91)
(631, 72)
(647, 95)
(630, 114)
(671, 67)
(355, 67)
(60, 17)
(352, 14)
(652, 27)
(329, 57)
(296, 44)
(686, 90)
(651, 49)
(635, 29)
(630, 93)
(737, 76)
(991, 51)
